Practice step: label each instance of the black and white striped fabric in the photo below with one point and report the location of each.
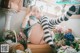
(49, 24)
(47, 35)
(72, 11)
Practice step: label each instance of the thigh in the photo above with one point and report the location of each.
(36, 34)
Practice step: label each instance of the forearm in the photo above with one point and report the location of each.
(25, 21)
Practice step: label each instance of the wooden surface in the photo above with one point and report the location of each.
(40, 48)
